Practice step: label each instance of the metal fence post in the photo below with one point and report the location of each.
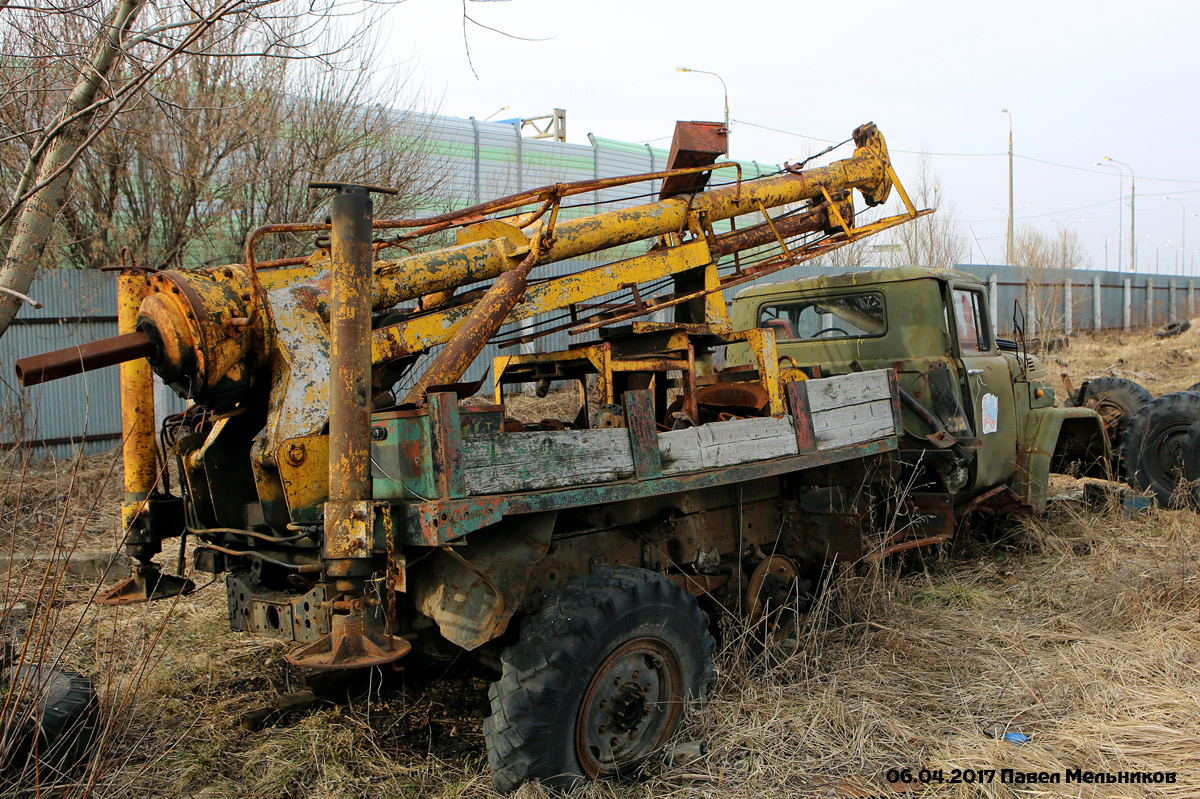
(1127, 305)
(1068, 307)
(595, 167)
(993, 299)
(1149, 302)
(478, 179)
(1173, 302)
(520, 157)
(1031, 301)
(650, 150)
(1097, 305)
(1191, 298)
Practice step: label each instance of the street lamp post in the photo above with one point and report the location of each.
(1132, 212)
(724, 89)
(1182, 230)
(1005, 111)
(1158, 255)
(504, 107)
(1106, 235)
(1120, 204)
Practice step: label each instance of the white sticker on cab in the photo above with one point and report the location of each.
(990, 407)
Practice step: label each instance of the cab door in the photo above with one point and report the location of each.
(987, 386)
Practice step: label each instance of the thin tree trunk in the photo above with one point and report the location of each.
(35, 224)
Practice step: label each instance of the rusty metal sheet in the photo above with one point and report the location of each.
(694, 144)
(472, 590)
(349, 527)
(743, 396)
(304, 471)
(797, 393)
(643, 434)
(446, 435)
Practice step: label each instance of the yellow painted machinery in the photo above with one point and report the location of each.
(285, 361)
(331, 463)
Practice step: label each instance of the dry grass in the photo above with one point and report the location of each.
(1079, 630)
(1161, 365)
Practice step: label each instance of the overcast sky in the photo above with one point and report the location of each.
(1082, 80)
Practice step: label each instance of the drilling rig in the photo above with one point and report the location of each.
(363, 503)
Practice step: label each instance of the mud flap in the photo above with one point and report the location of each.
(472, 591)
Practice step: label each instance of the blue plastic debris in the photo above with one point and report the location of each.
(1136, 504)
(1016, 737)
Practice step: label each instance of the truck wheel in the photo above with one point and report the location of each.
(1153, 445)
(597, 680)
(1191, 461)
(1117, 400)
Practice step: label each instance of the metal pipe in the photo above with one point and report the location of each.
(409, 278)
(807, 222)
(477, 329)
(70, 361)
(350, 348)
(139, 448)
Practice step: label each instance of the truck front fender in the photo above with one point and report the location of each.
(472, 590)
(1060, 440)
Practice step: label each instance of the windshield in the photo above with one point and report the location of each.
(845, 316)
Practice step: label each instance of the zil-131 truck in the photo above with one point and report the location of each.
(363, 503)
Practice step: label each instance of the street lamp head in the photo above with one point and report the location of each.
(682, 69)
(1106, 158)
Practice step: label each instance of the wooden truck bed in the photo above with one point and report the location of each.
(455, 475)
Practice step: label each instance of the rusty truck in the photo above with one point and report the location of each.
(363, 503)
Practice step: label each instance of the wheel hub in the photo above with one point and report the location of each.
(1165, 453)
(631, 705)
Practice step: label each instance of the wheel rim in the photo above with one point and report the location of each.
(1162, 454)
(1114, 416)
(630, 708)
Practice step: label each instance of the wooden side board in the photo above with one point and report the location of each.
(726, 443)
(847, 409)
(503, 462)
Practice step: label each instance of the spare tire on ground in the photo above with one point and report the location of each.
(1152, 447)
(1117, 400)
(58, 722)
(1173, 329)
(1194, 387)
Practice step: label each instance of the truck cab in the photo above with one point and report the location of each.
(979, 415)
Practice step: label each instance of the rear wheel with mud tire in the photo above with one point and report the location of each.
(1153, 445)
(598, 679)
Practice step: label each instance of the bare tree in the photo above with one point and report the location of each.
(1046, 262)
(87, 64)
(224, 145)
(934, 240)
(336, 130)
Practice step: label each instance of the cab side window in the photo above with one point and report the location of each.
(970, 317)
(845, 316)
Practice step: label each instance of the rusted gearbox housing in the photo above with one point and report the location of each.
(206, 348)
